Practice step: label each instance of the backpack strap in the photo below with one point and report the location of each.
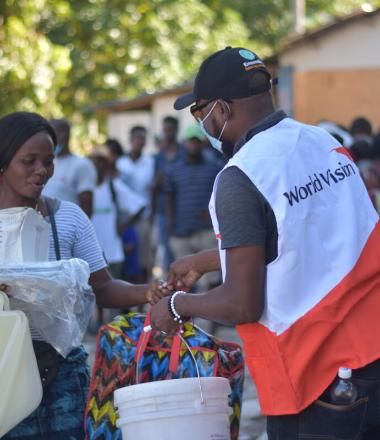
(113, 194)
(52, 206)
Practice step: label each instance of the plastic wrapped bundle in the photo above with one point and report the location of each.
(56, 298)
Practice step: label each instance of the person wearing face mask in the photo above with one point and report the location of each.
(188, 185)
(298, 248)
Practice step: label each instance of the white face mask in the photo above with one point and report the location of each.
(215, 142)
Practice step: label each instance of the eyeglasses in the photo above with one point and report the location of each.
(196, 110)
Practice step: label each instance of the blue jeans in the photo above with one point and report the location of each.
(325, 421)
(60, 415)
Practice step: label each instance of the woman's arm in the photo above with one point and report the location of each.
(240, 299)
(112, 293)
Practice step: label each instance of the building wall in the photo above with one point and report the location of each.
(335, 76)
(162, 107)
(354, 46)
(120, 124)
(337, 95)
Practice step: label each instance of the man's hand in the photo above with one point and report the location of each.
(184, 273)
(158, 290)
(161, 318)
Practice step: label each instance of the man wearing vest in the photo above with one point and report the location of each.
(299, 248)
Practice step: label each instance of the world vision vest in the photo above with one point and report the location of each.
(322, 296)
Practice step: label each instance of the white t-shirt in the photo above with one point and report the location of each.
(138, 175)
(104, 216)
(72, 176)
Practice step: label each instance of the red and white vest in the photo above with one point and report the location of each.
(322, 299)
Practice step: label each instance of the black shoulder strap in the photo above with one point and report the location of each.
(52, 206)
(113, 194)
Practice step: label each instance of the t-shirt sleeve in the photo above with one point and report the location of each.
(86, 245)
(241, 210)
(86, 176)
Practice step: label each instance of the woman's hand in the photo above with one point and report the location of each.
(158, 290)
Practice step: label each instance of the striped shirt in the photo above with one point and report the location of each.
(192, 185)
(77, 239)
(76, 236)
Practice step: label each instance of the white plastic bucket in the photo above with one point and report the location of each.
(20, 383)
(172, 409)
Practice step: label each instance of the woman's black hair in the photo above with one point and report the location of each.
(114, 146)
(16, 128)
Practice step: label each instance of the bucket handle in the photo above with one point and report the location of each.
(141, 347)
(4, 302)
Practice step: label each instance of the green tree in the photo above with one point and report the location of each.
(60, 56)
(32, 68)
(120, 48)
(271, 21)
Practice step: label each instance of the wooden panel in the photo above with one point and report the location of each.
(338, 95)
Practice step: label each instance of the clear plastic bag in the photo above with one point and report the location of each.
(56, 298)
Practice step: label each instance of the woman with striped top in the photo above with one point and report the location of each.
(27, 143)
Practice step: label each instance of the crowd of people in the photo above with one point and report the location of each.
(363, 143)
(288, 223)
(147, 208)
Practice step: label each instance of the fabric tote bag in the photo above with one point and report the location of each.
(125, 355)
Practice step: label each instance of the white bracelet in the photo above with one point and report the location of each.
(177, 317)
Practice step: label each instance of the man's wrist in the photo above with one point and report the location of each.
(177, 317)
(180, 304)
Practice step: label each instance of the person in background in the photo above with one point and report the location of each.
(361, 128)
(170, 151)
(376, 157)
(339, 132)
(137, 171)
(189, 186)
(131, 270)
(74, 177)
(115, 152)
(116, 208)
(27, 148)
(298, 244)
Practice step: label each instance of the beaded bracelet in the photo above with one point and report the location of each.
(173, 311)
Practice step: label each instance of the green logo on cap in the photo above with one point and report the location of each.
(246, 54)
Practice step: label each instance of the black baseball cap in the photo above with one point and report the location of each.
(226, 74)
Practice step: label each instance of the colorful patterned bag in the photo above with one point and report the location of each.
(122, 343)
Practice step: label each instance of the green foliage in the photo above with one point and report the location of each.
(32, 68)
(64, 55)
(271, 21)
(60, 56)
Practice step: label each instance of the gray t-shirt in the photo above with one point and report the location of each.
(244, 215)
